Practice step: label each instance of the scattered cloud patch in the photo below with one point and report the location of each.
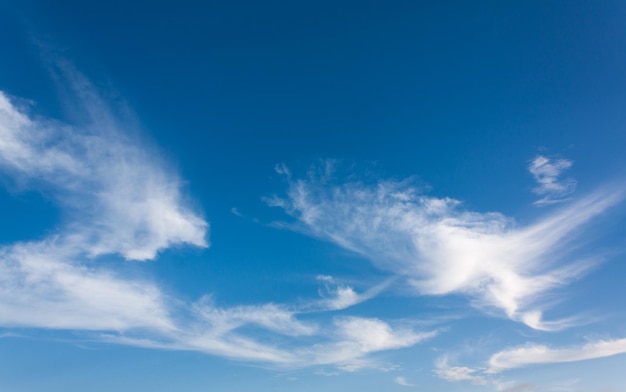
(533, 354)
(442, 249)
(356, 337)
(340, 296)
(525, 387)
(402, 381)
(346, 344)
(43, 285)
(121, 199)
(269, 316)
(550, 186)
(525, 356)
(459, 373)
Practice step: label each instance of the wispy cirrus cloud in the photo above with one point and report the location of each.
(442, 249)
(459, 373)
(346, 343)
(356, 337)
(45, 285)
(547, 172)
(337, 296)
(402, 381)
(535, 354)
(273, 317)
(117, 198)
(530, 354)
(120, 199)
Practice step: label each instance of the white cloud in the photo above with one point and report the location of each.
(340, 296)
(547, 173)
(41, 285)
(356, 337)
(402, 381)
(346, 345)
(459, 373)
(524, 356)
(539, 354)
(442, 249)
(270, 316)
(119, 198)
(375, 335)
(122, 198)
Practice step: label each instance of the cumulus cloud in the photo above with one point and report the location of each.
(441, 248)
(547, 172)
(533, 354)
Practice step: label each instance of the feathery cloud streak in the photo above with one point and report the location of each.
(461, 373)
(525, 356)
(546, 172)
(440, 248)
(402, 381)
(121, 200)
(44, 285)
(346, 343)
(533, 354)
(340, 296)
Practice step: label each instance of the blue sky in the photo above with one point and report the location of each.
(353, 195)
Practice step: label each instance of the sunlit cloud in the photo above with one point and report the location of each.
(353, 338)
(117, 198)
(120, 199)
(527, 355)
(345, 344)
(44, 285)
(440, 248)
